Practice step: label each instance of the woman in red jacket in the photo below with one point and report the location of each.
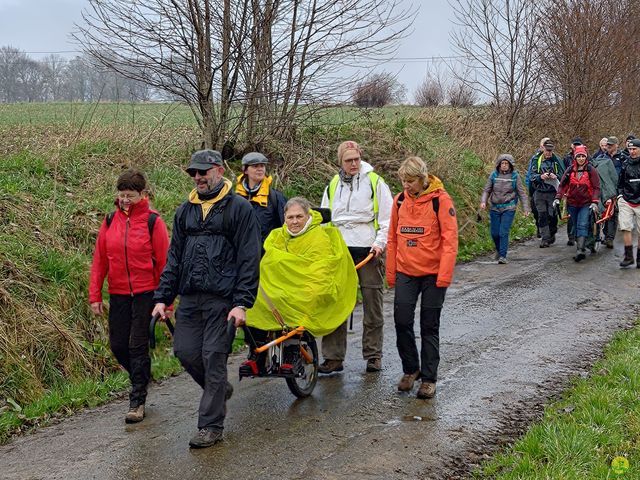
(131, 251)
(581, 185)
(421, 255)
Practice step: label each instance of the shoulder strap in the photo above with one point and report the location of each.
(109, 218)
(435, 203)
(153, 216)
(514, 180)
(494, 175)
(400, 199)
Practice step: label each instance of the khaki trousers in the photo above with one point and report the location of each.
(371, 277)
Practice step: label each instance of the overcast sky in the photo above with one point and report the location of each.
(42, 26)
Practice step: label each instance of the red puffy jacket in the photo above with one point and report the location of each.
(126, 255)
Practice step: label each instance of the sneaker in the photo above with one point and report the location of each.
(205, 438)
(427, 390)
(374, 365)
(135, 414)
(502, 260)
(330, 366)
(406, 382)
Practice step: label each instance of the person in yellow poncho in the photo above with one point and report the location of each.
(307, 274)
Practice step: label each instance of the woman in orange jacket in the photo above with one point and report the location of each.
(421, 255)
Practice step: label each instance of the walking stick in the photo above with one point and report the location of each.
(152, 329)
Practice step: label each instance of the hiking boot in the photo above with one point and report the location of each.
(375, 364)
(407, 381)
(571, 242)
(581, 253)
(609, 243)
(135, 414)
(427, 390)
(628, 256)
(205, 438)
(502, 261)
(497, 256)
(638, 259)
(544, 243)
(330, 366)
(552, 240)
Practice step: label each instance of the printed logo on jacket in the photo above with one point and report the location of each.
(414, 230)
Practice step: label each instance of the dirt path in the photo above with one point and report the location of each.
(511, 336)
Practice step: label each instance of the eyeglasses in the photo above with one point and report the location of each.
(127, 196)
(192, 172)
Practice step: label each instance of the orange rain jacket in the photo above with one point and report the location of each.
(421, 243)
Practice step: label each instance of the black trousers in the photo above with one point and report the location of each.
(129, 318)
(201, 344)
(406, 296)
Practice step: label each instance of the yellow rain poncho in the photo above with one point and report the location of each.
(310, 279)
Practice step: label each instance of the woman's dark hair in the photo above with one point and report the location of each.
(132, 179)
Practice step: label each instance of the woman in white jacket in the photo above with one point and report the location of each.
(360, 203)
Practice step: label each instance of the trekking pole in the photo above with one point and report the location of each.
(152, 329)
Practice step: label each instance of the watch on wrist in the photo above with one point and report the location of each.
(242, 307)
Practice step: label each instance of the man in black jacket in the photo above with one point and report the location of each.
(213, 264)
(545, 172)
(629, 202)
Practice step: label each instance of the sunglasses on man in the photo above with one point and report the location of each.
(192, 172)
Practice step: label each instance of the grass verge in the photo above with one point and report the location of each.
(587, 433)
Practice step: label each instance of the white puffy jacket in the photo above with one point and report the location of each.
(352, 210)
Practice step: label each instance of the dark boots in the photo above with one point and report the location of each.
(581, 252)
(628, 256)
(638, 258)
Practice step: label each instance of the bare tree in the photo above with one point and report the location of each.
(586, 60)
(460, 94)
(497, 39)
(378, 90)
(244, 67)
(431, 92)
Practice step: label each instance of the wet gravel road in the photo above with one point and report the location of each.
(511, 337)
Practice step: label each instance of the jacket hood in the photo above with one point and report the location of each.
(435, 184)
(316, 220)
(365, 167)
(226, 187)
(507, 157)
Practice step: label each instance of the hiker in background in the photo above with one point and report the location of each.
(567, 162)
(423, 244)
(625, 150)
(545, 173)
(254, 185)
(581, 185)
(608, 193)
(131, 251)
(213, 264)
(618, 159)
(615, 154)
(530, 187)
(602, 150)
(503, 189)
(360, 203)
(629, 202)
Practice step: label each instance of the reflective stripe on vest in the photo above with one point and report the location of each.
(374, 178)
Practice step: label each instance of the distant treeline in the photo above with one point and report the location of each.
(55, 78)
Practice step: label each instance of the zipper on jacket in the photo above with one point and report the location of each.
(126, 256)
